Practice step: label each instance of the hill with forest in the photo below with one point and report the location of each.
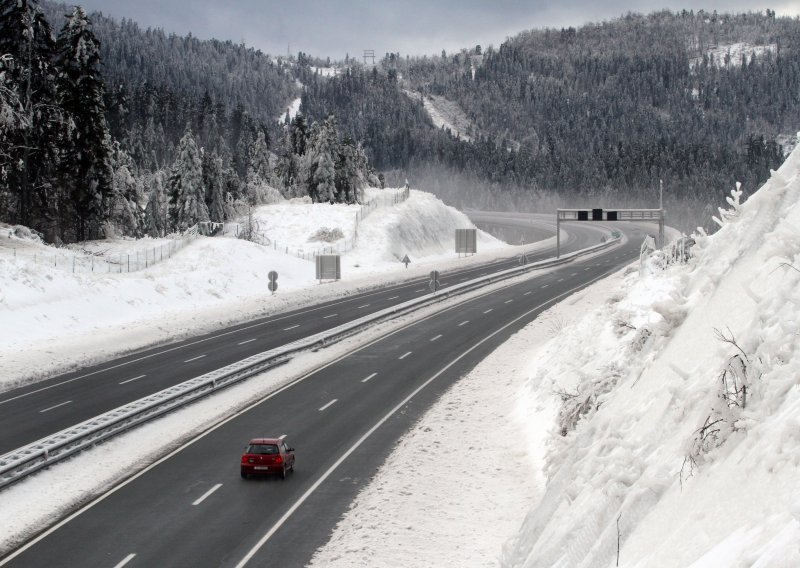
(597, 114)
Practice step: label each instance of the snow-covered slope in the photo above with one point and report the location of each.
(52, 318)
(678, 434)
(445, 114)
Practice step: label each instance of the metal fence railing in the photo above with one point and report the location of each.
(78, 261)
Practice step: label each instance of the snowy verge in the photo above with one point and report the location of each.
(485, 469)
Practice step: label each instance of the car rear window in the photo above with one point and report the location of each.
(262, 449)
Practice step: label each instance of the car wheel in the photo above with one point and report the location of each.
(244, 475)
(283, 472)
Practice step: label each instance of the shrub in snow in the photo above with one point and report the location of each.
(326, 235)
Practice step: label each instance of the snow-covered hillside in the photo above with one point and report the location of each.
(730, 55)
(53, 318)
(654, 419)
(445, 114)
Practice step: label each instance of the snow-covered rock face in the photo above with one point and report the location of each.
(678, 434)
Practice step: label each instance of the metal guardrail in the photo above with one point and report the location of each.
(23, 461)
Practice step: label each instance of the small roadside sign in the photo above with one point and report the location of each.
(434, 284)
(273, 278)
(406, 260)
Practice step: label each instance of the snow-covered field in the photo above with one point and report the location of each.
(53, 319)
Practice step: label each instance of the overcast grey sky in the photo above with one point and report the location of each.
(412, 27)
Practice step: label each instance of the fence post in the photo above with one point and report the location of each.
(73, 264)
(129, 263)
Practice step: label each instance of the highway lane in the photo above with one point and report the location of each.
(192, 509)
(37, 410)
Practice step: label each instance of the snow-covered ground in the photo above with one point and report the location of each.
(53, 319)
(445, 114)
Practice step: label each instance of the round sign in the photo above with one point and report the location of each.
(273, 276)
(272, 286)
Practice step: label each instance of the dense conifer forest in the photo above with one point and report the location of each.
(107, 128)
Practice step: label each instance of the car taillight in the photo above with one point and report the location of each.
(244, 459)
(278, 459)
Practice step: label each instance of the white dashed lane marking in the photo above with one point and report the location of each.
(247, 341)
(206, 494)
(329, 404)
(330, 316)
(194, 358)
(133, 379)
(463, 323)
(435, 338)
(368, 378)
(293, 327)
(56, 406)
(404, 355)
(125, 560)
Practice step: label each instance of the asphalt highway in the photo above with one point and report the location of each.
(37, 410)
(192, 508)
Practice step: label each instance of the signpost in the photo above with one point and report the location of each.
(406, 260)
(522, 258)
(434, 284)
(273, 281)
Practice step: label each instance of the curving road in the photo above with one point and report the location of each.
(37, 410)
(192, 508)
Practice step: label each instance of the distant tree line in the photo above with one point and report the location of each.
(80, 161)
(579, 116)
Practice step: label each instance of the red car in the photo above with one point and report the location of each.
(267, 455)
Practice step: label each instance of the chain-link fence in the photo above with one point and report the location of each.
(106, 261)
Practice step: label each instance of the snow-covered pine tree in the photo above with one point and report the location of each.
(212, 181)
(324, 155)
(186, 191)
(155, 213)
(85, 153)
(29, 147)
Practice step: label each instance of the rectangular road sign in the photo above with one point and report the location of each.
(466, 241)
(329, 267)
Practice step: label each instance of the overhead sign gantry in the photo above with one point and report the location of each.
(654, 215)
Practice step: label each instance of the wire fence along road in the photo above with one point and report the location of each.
(344, 244)
(103, 262)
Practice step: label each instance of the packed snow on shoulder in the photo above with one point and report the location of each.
(65, 306)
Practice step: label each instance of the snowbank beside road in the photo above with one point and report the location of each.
(53, 319)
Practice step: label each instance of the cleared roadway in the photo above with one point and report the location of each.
(192, 508)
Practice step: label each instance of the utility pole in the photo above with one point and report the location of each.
(661, 194)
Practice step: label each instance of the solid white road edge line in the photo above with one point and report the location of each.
(206, 494)
(56, 406)
(368, 378)
(329, 404)
(380, 422)
(133, 379)
(125, 560)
